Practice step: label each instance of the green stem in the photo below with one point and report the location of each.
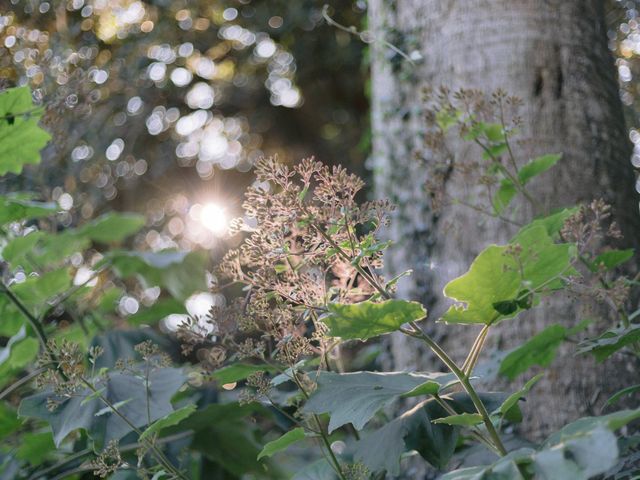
(464, 381)
(334, 461)
(474, 354)
(147, 443)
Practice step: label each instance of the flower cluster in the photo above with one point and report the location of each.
(308, 241)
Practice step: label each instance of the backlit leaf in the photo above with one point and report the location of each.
(21, 139)
(367, 319)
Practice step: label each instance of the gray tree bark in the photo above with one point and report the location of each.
(553, 55)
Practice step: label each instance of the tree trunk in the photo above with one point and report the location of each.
(553, 55)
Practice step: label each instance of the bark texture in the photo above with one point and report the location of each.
(553, 55)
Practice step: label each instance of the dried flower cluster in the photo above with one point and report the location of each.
(466, 110)
(308, 243)
(108, 461)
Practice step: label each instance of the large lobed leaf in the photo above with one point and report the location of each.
(579, 451)
(498, 285)
(356, 397)
(416, 430)
(367, 319)
(21, 139)
(89, 414)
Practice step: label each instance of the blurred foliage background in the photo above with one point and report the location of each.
(163, 106)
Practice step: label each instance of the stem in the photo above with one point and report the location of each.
(88, 451)
(474, 354)
(334, 461)
(417, 332)
(150, 445)
(18, 383)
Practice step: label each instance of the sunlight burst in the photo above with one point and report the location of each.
(214, 218)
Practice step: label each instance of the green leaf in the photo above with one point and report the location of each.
(238, 371)
(612, 258)
(72, 414)
(494, 151)
(225, 434)
(413, 430)
(19, 350)
(612, 421)
(580, 457)
(552, 223)
(537, 166)
(539, 350)
(506, 468)
(173, 418)
(14, 208)
(180, 273)
(356, 397)
(35, 447)
(447, 119)
(496, 277)
(282, 443)
(36, 291)
(9, 421)
(503, 196)
(366, 320)
(461, 420)
(610, 341)
(514, 398)
(21, 139)
(112, 227)
(156, 312)
(625, 391)
(14, 252)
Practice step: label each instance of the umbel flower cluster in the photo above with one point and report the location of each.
(309, 242)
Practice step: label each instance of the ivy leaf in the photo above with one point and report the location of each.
(537, 166)
(173, 418)
(496, 278)
(112, 227)
(367, 319)
(539, 350)
(461, 420)
(610, 341)
(356, 397)
(21, 139)
(181, 273)
(75, 413)
(282, 443)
